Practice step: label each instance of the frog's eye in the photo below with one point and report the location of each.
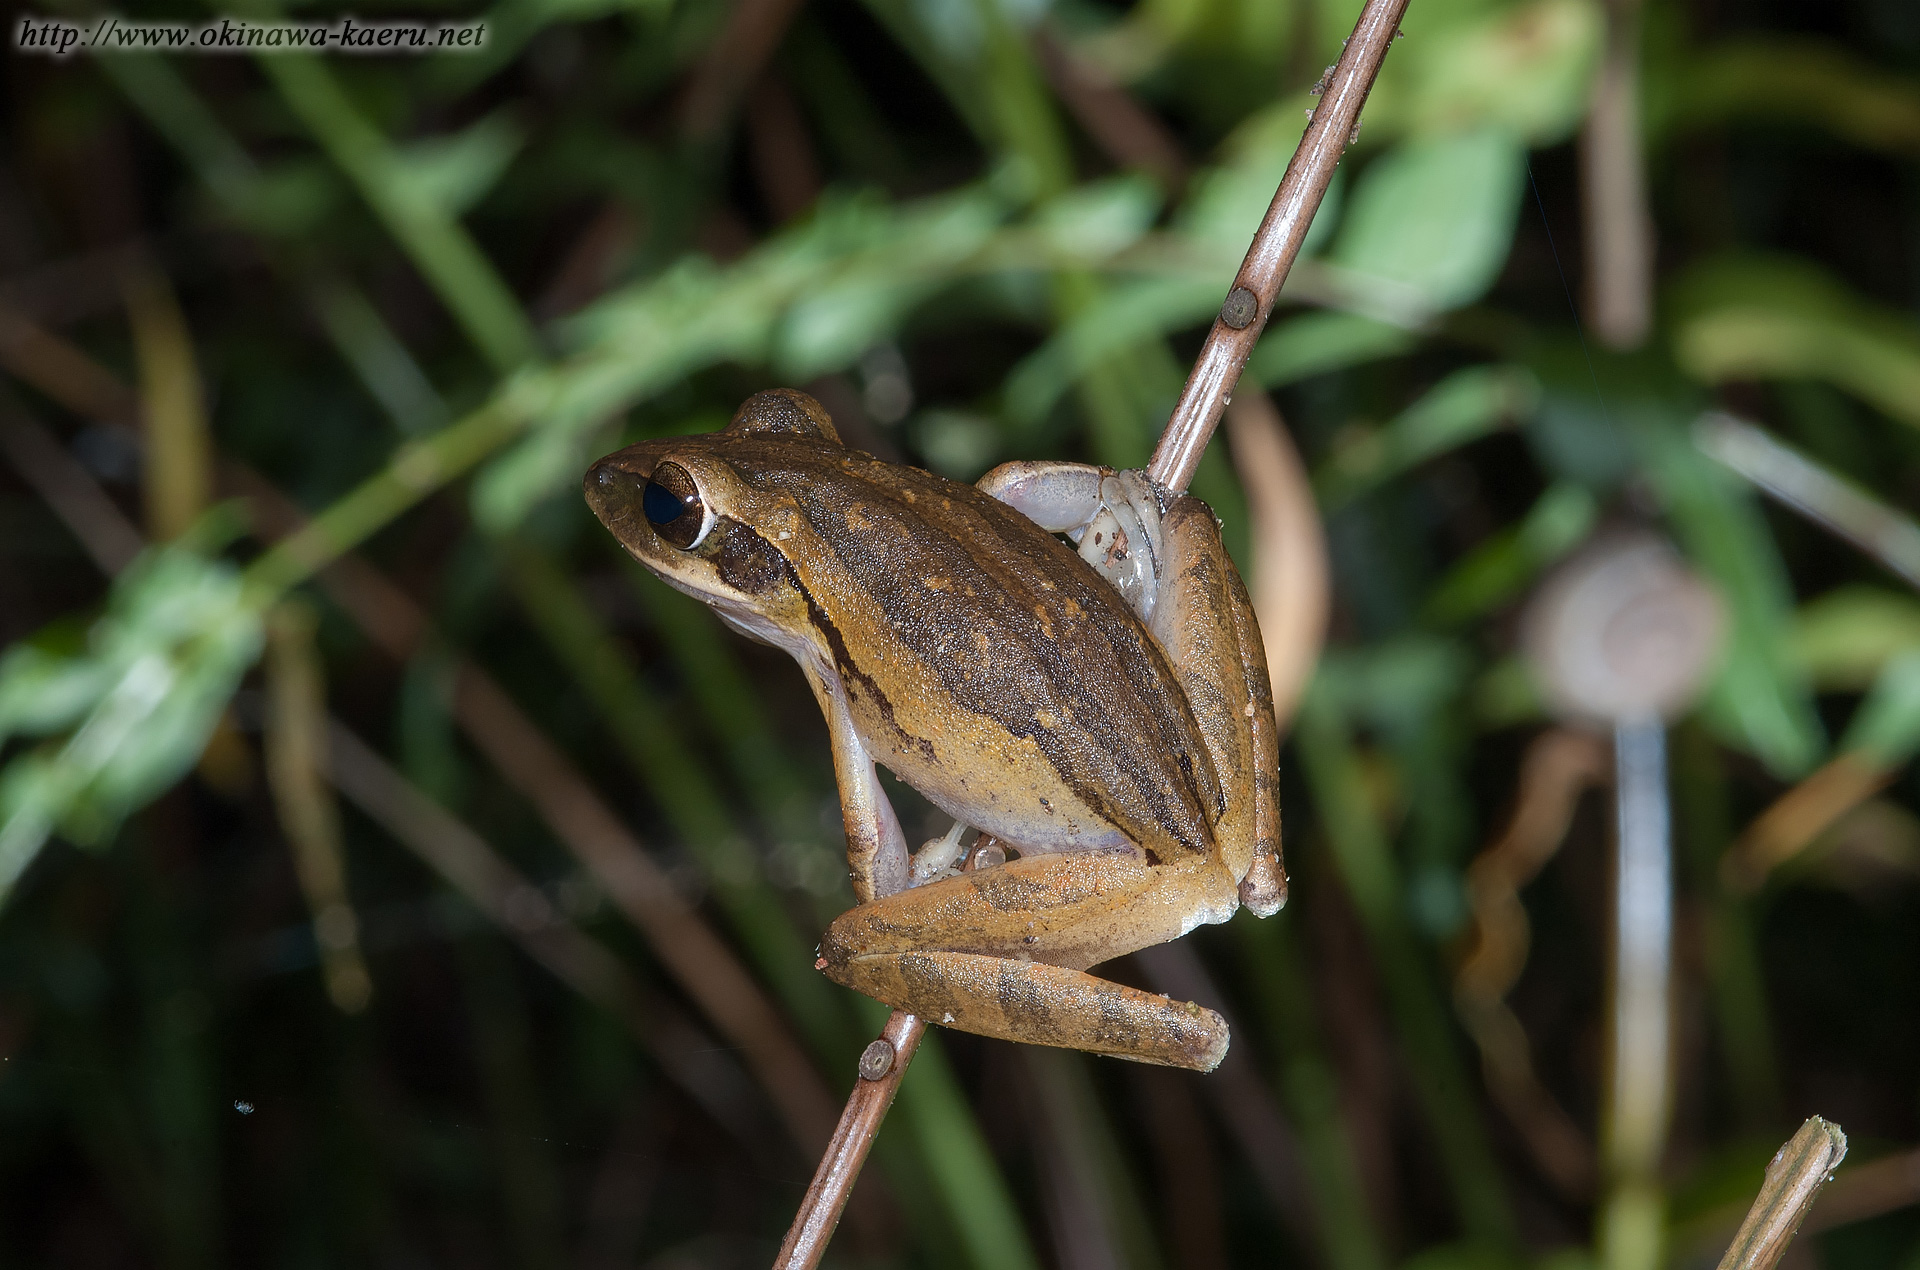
(674, 508)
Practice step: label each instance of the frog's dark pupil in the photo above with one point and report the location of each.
(672, 505)
(661, 507)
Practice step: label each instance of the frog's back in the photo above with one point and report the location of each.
(1065, 700)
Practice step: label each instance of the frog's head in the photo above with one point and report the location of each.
(689, 509)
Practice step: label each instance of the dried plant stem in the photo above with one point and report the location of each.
(1291, 583)
(1195, 415)
(1794, 1178)
(1275, 247)
(1619, 232)
(1639, 1097)
(881, 1066)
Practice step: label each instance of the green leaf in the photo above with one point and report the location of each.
(1463, 407)
(1844, 638)
(1797, 83)
(1100, 218)
(1503, 566)
(1129, 311)
(808, 301)
(1315, 343)
(1886, 728)
(1228, 202)
(1526, 69)
(1431, 220)
(1760, 699)
(289, 199)
(140, 701)
(1774, 318)
(451, 173)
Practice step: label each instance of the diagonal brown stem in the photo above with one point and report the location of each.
(881, 1067)
(1275, 247)
(1794, 1177)
(1195, 415)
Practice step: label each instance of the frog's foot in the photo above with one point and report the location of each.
(1114, 518)
(1002, 952)
(938, 857)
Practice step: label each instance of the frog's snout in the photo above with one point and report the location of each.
(612, 491)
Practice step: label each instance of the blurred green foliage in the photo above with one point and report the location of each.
(424, 294)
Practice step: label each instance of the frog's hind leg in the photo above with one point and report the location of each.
(1205, 622)
(1002, 952)
(1046, 1005)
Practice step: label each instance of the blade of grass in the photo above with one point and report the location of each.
(438, 244)
(1311, 1088)
(1791, 478)
(500, 893)
(177, 471)
(1732, 955)
(296, 765)
(1367, 867)
(524, 914)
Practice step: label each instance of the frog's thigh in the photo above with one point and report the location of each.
(999, 953)
(1205, 622)
(1054, 495)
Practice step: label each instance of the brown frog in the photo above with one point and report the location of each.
(1105, 713)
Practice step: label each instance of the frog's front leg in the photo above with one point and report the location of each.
(1003, 952)
(876, 845)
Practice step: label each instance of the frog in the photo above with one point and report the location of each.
(1061, 657)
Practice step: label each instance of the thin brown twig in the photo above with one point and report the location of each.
(1799, 816)
(104, 533)
(64, 373)
(1559, 766)
(1195, 415)
(1613, 187)
(1243, 315)
(1855, 1194)
(1798, 1171)
(882, 1066)
(753, 31)
(1131, 135)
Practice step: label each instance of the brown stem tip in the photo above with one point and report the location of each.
(1794, 1178)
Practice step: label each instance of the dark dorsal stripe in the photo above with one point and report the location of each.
(1123, 741)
